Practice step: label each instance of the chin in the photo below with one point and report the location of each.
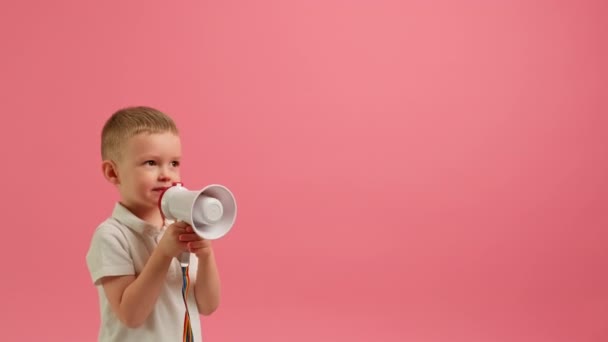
(153, 200)
(155, 194)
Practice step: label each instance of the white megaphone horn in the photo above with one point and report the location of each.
(210, 212)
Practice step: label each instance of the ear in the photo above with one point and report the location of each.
(110, 171)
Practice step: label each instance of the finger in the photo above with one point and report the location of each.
(194, 245)
(194, 248)
(198, 244)
(188, 237)
(200, 251)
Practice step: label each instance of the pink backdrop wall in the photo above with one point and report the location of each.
(405, 170)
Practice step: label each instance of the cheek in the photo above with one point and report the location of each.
(144, 179)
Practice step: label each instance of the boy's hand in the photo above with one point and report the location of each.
(194, 243)
(170, 244)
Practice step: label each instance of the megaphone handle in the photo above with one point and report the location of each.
(184, 259)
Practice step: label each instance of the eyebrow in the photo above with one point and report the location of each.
(151, 156)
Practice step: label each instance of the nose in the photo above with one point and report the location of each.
(164, 175)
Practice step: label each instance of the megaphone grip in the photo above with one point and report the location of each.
(184, 259)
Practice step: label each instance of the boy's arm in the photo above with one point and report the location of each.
(133, 298)
(207, 285)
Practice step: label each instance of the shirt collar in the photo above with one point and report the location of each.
(126, 217)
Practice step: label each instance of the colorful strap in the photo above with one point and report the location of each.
(187, 327)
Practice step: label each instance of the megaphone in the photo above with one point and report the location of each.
(210, 212)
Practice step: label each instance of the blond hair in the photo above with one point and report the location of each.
(128, 122)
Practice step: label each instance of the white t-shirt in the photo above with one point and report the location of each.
(121, 245)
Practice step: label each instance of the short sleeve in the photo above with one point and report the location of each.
(109, 254)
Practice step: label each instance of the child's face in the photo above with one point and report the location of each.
(149, 163)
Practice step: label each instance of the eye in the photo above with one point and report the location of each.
(150, 162)
(175, 163)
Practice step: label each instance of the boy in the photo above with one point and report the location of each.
(133, 254)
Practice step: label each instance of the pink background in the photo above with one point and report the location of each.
(425, 171)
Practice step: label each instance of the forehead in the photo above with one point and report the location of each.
(157, 144)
